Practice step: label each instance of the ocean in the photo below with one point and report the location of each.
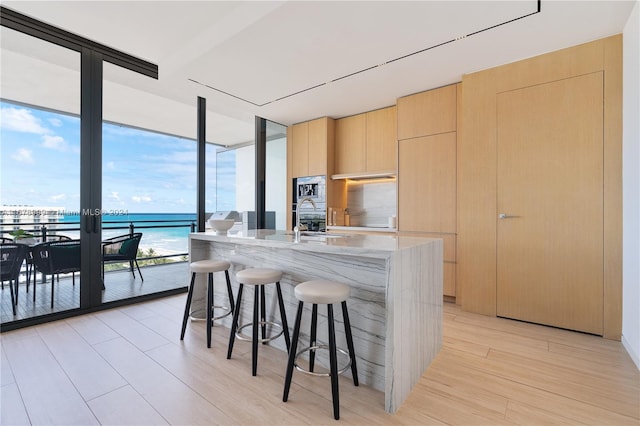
(162, 240)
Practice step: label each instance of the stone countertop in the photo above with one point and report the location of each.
(381, 229)
(380, 246)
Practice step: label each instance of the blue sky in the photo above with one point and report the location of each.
(143, 172)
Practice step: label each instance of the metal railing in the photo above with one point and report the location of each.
(42, 231)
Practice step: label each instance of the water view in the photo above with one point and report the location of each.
(163, 240)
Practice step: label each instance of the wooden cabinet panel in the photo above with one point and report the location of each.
(317, 149)
(449, 279)
(350, 144)
(427, 184)
(427, 113)
(449, 255)
(300, 150)
(381, 140)
(448, 239)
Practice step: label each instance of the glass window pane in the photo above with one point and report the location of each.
(148, 188)
(276, 176)
(39, 167)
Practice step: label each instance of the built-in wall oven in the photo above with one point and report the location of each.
(309, 202)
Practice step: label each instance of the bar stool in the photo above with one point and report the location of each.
(328, 293)
(208, 267)
(258, 277)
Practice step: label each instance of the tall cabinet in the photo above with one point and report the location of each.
(310, 152)
(427, 138)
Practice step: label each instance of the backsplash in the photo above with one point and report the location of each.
(371, 204)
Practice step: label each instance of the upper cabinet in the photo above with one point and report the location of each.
(381, 140)
(350, 144)
(366, 143)
(299, 140)
(309, 148)
(427, 113)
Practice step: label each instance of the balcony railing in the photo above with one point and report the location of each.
(43, 230)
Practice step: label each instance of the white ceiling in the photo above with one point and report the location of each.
(268, 53)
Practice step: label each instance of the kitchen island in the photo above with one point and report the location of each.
(395, 306)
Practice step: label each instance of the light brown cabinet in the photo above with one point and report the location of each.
(308, 142)
(366, 143)
(317, 150)
(427, 184)
(310, 152)
(427, 113)
(427, 145)
(350, 144)
(299, 140)
(381, 152)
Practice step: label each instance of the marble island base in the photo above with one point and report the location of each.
(395, 305)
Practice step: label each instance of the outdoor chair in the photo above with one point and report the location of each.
(123, 248)
(11, 257)
(5, 240)
(51, 238)
(56, 257)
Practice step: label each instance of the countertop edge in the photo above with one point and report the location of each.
(375, 246)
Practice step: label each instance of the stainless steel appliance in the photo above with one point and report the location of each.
(310, 206)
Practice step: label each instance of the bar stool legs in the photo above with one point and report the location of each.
(208, 267)
(259, 320)
(258, 278)
(188, 306)
(325, 292)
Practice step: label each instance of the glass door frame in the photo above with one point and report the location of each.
(92, 57)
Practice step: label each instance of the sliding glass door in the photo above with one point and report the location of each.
(148, 194)
(40, 169)
(51, 175)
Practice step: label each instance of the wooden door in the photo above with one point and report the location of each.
(550, 179)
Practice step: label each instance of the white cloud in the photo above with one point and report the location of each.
(114, 196)
(55, 122)
(140, 199)
(21, 120)
(23, 155)
(111, 166)
(54, 142)
(57, 198)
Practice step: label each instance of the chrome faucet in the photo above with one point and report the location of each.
(297, 229)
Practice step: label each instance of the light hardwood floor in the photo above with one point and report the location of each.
(128, 366)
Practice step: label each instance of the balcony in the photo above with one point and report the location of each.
(119, 285)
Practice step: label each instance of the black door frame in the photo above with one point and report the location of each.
(92, 57)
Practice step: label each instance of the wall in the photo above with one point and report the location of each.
(476, 272)
(630, 187)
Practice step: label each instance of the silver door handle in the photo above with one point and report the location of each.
(506, 216)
